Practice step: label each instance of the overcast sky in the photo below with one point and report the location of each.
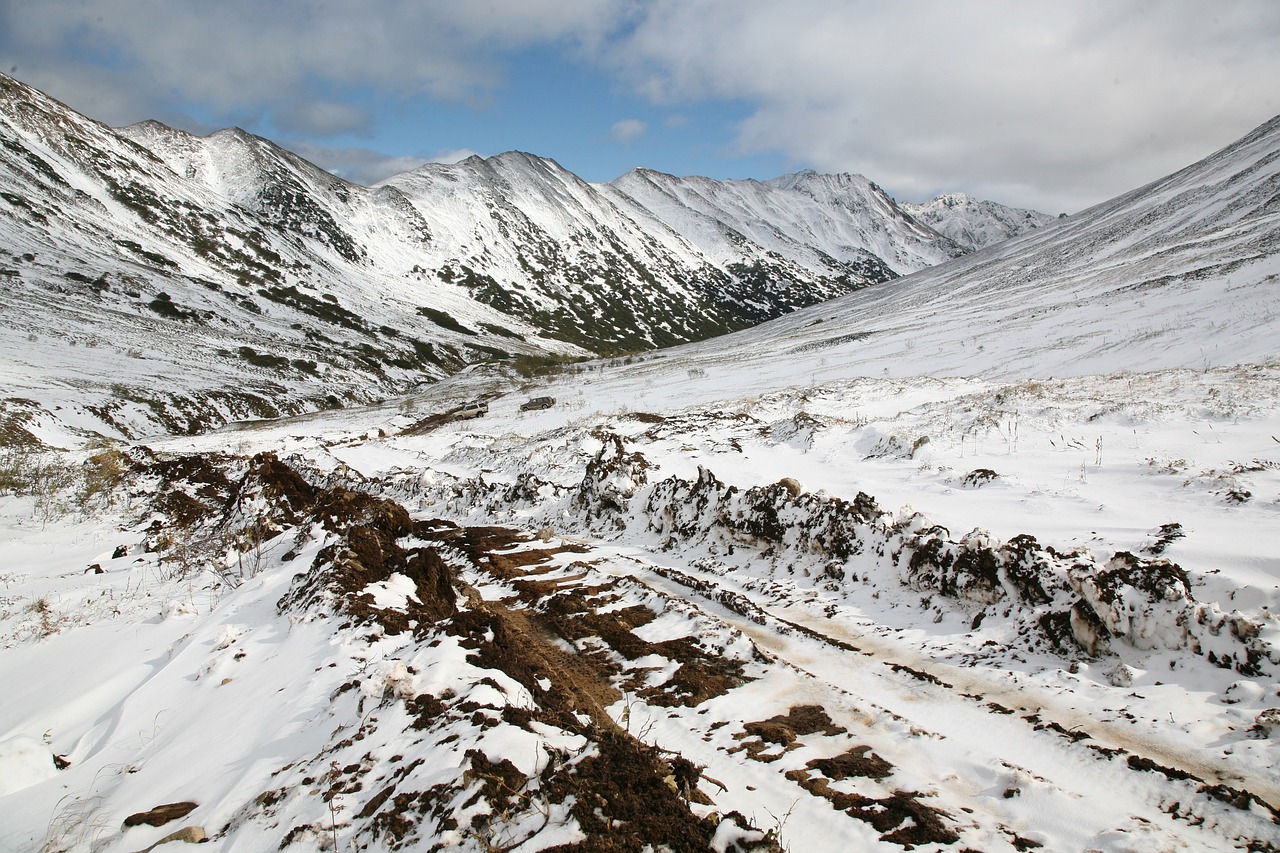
(1050, 105)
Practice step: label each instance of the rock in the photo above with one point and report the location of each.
(1267, 723)
(189, 834)
(791, 485)
(160, 815)
(1120, 676)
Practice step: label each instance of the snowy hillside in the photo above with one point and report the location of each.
(1178, 274)
(233, 272)
(786, 217)
(972, 223)
(141, 300)
(980, 560)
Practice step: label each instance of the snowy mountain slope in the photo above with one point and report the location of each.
(529, 234)
(522, 234)
(790, 216)
(973, 223)
(196, 308)
(1178, 274)
(203, 254)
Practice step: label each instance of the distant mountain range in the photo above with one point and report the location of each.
(973, 223)
(1180, 273)
(218, 277)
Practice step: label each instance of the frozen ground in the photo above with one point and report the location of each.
(829, 690)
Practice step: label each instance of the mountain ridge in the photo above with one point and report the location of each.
(283, 272)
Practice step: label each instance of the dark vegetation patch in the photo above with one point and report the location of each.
(264, 359)
(530, 365)
(487, 352)
(644, 417)
(979, 477)
(15, 415)
(156, 260)
(501, 331)
(290, 207)
(326, 309)
(164, 305)
(445, 320)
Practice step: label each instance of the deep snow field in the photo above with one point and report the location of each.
(864, 656)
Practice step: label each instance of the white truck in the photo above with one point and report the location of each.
(472, 409)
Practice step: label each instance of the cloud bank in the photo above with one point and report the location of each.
(1062, 104)
(1055, 106)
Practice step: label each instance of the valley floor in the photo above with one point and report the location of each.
(930, 614)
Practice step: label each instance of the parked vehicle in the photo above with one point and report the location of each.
(473, 409)
(538, 403)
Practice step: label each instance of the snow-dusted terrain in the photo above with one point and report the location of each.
(982, 559)
(973, 223)
(217, 278)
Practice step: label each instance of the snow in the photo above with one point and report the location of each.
(24, 761)
(232, 652)
(393, 593)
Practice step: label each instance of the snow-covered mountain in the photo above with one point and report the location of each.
(1180, 273)
(239, 272)
(973, 223)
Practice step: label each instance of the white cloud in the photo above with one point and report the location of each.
(453, 155)
(1049, 105)
(291, 59)
(323, 118)
(627, 130)
(358, 165)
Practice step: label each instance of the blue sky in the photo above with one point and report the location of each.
(550, 104)
(1054, 106)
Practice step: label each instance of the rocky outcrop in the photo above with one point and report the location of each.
(1072, 603)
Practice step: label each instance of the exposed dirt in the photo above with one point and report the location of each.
(366, 553)
(626, 795)
(858, 762)
(758, 738)
(901, 817)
